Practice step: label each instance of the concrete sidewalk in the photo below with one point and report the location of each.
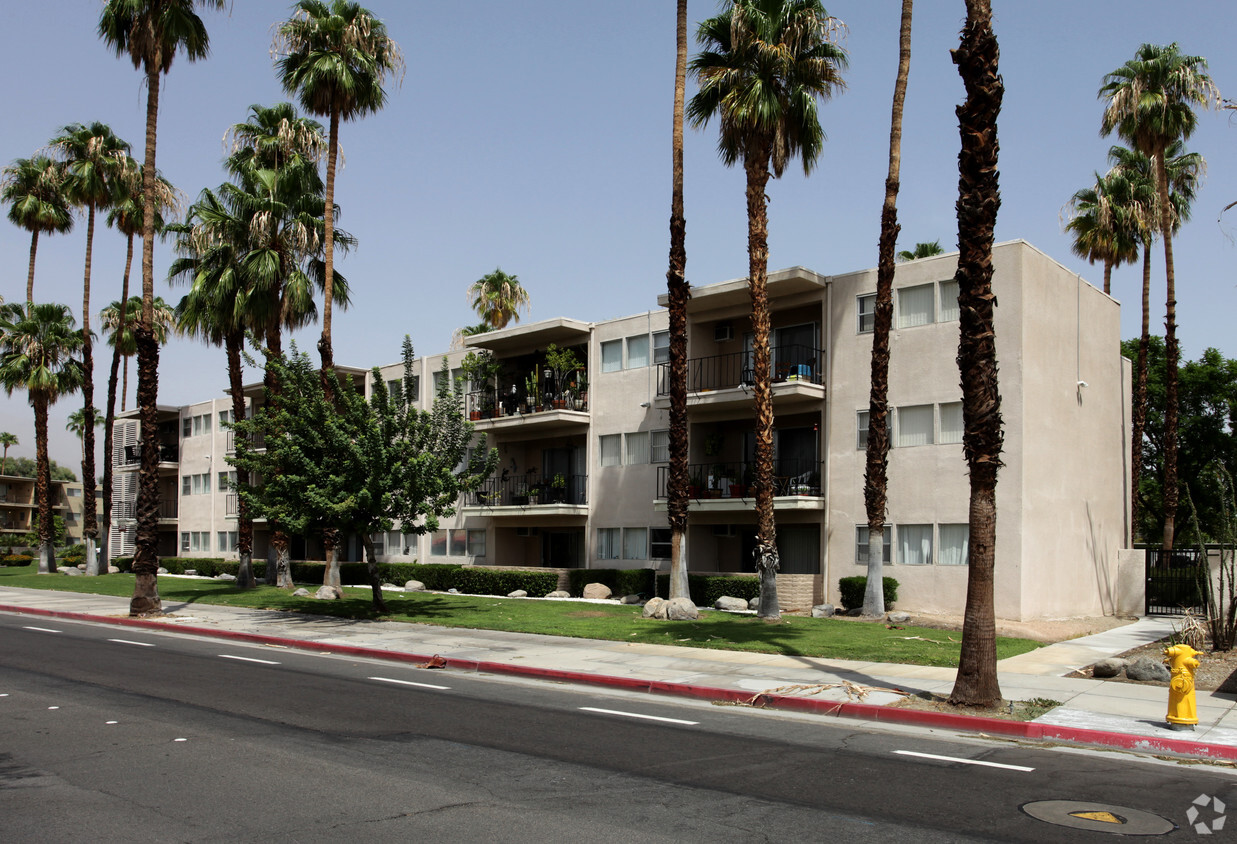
(1102, 712)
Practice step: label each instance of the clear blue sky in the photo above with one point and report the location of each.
(535, 135)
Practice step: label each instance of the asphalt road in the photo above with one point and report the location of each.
(111, 734)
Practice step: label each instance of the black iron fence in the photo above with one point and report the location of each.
(531, 489)
(719, 372)
(791, 476)
(1176, 581)
(131, 455)
(486, 404)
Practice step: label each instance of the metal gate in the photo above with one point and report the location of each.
(1176, 581)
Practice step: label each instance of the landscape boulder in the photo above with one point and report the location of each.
(655, 608)
(113, 570)
(558, 593)
(898, 617)
(630, 599)
(414, 586)
(225, 577)
(681, 609)
(328, 593)
(72, 570)
(1146, 668)
(519, 593)
(754, 603)
(301, 593)
(1110, 667)
(597, 591)
(824, 611)
(161, 570)
(730, 604)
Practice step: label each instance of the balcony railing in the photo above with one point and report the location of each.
(231, 505)
(530, 490)
(483, 404)
(258, 440)
(791, 476)
(720, 372)
(131, 455)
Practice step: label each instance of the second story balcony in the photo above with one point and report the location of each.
(721, 381)
(730, 485)
(530, 490)
(131, 455)
(515, 409)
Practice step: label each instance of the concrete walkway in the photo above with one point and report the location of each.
(1101, 712)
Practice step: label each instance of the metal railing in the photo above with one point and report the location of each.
(719, 372)
(530, 490)
(258, 440)
(131, 455)
(791, 476)
(169, 508)
(483, 404)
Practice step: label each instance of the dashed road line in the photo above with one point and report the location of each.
(249, 659)
(965, 761)
(638, 715)
(128, 642)
(41, 629)
(411, 683)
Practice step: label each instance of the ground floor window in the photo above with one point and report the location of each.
(659, 543)
(195, 540)
(635, 543)
(861, 544)
(227, 540)
(798, 549)
(955, 543)
(608, 540)
(456, 542)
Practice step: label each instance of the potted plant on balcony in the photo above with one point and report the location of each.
(716, 476)
(695, 483)
(532, 393)
(564, 364)
(739, 487)
(579, 391)
(480, 368)
(558, 488)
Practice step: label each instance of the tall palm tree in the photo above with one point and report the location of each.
(1151, 102)
(978, 200)
(1103, 230)
(765, 64)
(876, 477)
(678, 292)
(77, 424)
(7, 440)
(335, 58)
(31, 186)
(497, 298)
(924, 249)
(38, 347)
(95, 162)
(122, 336)
(1132, 196)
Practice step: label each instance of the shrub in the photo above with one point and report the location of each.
(206, 566)
(706, 589)
(851, 590)
(621, 581)
(17, 559)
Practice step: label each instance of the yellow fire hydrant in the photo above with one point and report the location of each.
(1181, 706)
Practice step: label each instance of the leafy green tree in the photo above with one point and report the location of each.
(38, 353)
(1151, 102)
(58, 535)
(7, 440)
(151, 33)
(26, 467)
(921, 250)
(32, 187)
(764, 65)
(335, 58)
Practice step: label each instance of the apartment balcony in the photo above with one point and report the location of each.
(259, 442)
(728, 486)
(130, 456)
(530, 494)
(511, 410)
(126, 511)
(725, 382)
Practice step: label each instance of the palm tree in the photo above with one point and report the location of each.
(95, 162)
(1151, 102)
(122, 337)
(876, 479)
(1103, 230)
(921, 250)
(31, 186)
(678, 292)
(335, 58)
(765, 64)
(7, 440)
(77, 423)
(151, 33)
(38, 344)
(497, 298)
(978, 200)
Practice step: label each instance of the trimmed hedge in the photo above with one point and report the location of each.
(621, 581)
(17, 560)
(851, 591)
(706, 589)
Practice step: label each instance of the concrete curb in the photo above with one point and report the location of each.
(863, 711)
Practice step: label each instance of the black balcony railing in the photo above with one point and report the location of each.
(530, 490)
(168, 509)
(485, 404)
(791, 476)
(721, 372)
(131, 455)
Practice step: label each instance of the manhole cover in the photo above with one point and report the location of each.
(1098, 817)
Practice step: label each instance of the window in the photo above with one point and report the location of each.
(635, 543)
(861, 544)
(661, 347)
(438, 543)
(379, 541)
(227, 480)
(225, 417)
(459, 542)
(951, 422)
(186, 427)
(227, 540)
(476, 543)
(861, 427)
(915, 305)
(866, 307)
(915, 425)
(915, 545)
(395, 386)
(949, 302)
(659, 543)
(611, 445)
(612, 356)
(439, 381)
(955, 543)
(637, 448)
(73, 492)
(607, 543)
(395, 542)
(659, 446)
(184, 542)
(186, 485)
(201, 425)
(638, 351)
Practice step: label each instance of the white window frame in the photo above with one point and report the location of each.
(950, 436)
(661, 347)
(476, 542)
(608, 347)
(910, 535)
(437, 548)
(635, 543)
(609, 543)
(659, 445)
(636, 448)
(861, 429)
(916, 412)
(610, 449)
(865, 311)
(861, 544)
(914, 319)
(638, 340)
(953, 556)
(947, 301)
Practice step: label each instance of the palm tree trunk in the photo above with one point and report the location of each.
(756, 164)
(34, 249)
(978, 201)
(328, 219)
(1140, 393)
(280, 573)
(875, 486)
(90, 520)
(1108, 278)
(679, 294)
(110, 418)
(1172, 354)
(244, 523)
(43, 485)
(330, 546)
(145, 599)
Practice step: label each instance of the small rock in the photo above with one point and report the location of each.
(388, 586)
(72, 571)
(855, 613)
(301, 593)
(655, 608)
(191, 572)
(726, 602)
(558, 593)
(328, 593)
(597, 591)
(414, 586)
(1110, 667)
(630, 599)
(113, 570)
(81, 566)
(161, 570)
(754, 603)
(225, 577)
(898, 617)
(454, 591)
(1146, 668)
(681, 609)
(824, 611)
(519, 593)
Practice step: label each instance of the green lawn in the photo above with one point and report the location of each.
(793, 635)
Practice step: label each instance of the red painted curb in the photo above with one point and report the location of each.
(863, 711)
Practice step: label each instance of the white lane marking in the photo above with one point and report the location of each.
(6, 694)
(42, 629)
(965, 761)
(111, 722)
(248, 659)
(53, 707)
(411, 683)
(180, 739)
(638, 715)
(127, 642)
